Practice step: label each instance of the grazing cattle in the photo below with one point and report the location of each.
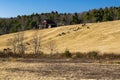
(6, 50)
(76, 29)
(88, 27)
(61, 34)
(84, 24)
(28, 43)
(9, 50)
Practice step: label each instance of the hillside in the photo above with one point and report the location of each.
(103, 37)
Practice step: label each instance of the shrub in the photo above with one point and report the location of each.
(92, 55)
(80, 55)
(67, 53)
(111, 56)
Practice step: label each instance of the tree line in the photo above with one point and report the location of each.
(15, 24)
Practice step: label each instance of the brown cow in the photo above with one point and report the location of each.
(84, 24)
(6, 50)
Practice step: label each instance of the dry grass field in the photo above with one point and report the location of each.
(103, 37)
(57, 70)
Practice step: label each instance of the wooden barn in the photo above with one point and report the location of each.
(47, 24)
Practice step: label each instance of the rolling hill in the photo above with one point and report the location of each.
(103, 37)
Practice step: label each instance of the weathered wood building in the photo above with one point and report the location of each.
(47, 24)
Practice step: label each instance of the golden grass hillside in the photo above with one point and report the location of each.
(103, 37)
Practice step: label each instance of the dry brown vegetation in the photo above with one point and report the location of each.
(60, 66)
(93, 55)
(83, 61)
(53, 69)
(103, 37)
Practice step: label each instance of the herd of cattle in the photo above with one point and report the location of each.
(5, 50)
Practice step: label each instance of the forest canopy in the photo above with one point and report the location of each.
(27, 22)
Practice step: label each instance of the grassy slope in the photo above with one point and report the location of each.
(103, 37)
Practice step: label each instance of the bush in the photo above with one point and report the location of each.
(80, 55)
(67, 53)
(92, 55)
(111, 56)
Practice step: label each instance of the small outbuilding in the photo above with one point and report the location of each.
(47, 24)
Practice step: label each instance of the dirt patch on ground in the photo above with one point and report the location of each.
(45, 70)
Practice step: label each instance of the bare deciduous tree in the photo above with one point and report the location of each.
(20, 46)
(17, 43)
(51, 46)
(13, 43)
(36, 41)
